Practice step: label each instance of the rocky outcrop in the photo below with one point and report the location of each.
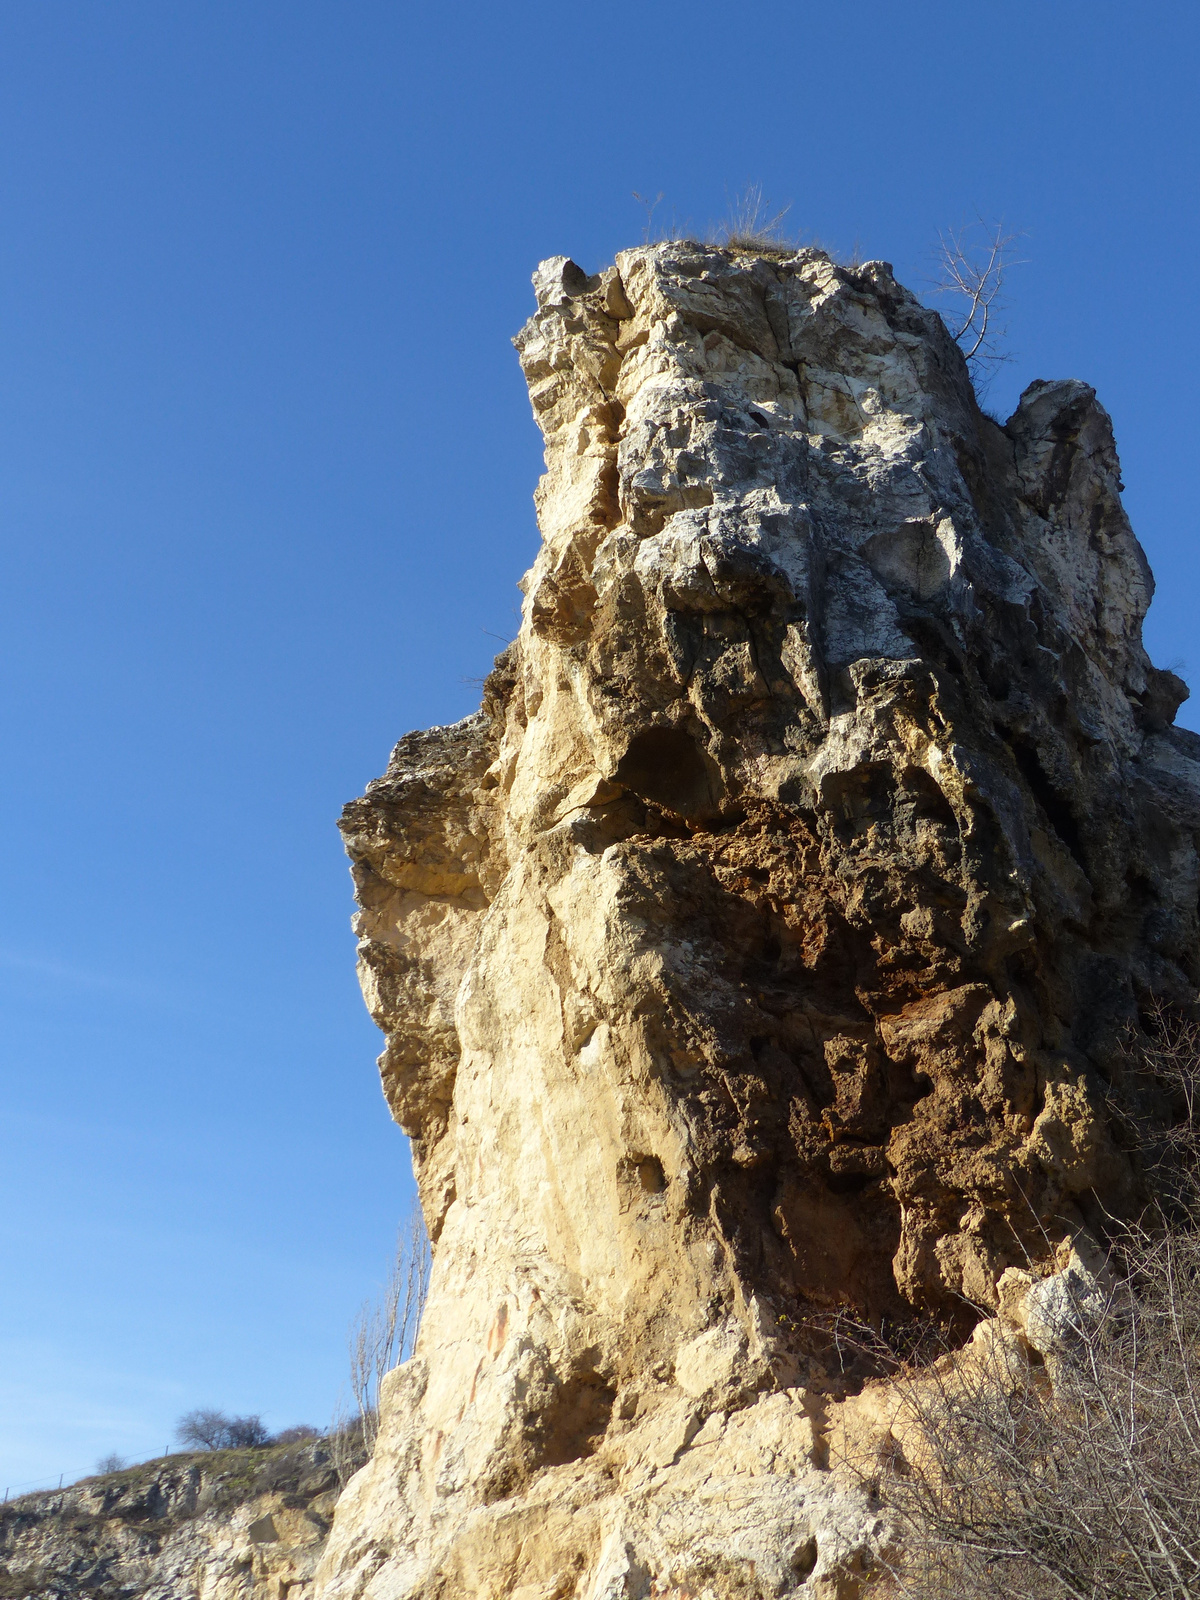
(758, 956)
(234, 1525)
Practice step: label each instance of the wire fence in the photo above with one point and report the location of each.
(64, 1480)
(31, 1486)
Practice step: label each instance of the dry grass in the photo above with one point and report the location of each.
(750, 225)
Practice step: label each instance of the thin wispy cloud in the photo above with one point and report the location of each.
(53, 1421)
(52, 970)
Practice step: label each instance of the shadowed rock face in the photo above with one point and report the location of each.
(762, 947)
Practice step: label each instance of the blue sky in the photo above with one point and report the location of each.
(265, 474)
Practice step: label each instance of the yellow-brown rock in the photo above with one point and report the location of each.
(760, 950)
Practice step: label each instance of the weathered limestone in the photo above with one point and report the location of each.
(233, 1525)
(760, 950)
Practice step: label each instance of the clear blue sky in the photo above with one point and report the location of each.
(265, 473)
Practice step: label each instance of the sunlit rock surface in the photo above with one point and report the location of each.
(758, 954)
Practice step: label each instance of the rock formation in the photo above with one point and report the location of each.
(759, 954)
(234, 1525)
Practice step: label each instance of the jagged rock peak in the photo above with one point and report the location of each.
(760, 951)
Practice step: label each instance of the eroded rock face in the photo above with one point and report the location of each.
(760, 950)
(234, 1525)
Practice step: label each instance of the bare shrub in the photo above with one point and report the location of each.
(385, 1330)
(202, 1429)
(973, 262)
(1076, 1475)
(247, 1433)
(1154, 1100)
(381, 1336)
(111, 1463)
(348, 1448)
(300, 1434)
(208, 1429)
(1065, 1461)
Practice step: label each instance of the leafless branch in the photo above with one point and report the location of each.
(1073, 1473)
(1154, 1101)
(381, 1336)
(973, 262)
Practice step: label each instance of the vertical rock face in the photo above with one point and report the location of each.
(761, 949)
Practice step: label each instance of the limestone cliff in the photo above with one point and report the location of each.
(233, 1525)
(762, 948)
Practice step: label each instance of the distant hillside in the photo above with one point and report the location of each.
(249, 1524)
